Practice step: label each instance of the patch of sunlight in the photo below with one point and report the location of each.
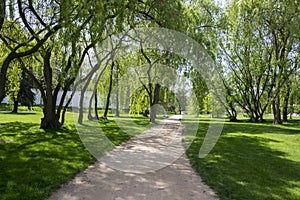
(242, 183)
(294, 188)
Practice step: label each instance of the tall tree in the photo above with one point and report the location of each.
(14, 80)
(109, 91)
(26, 96)
(202, 24)
(281, 19)
(39, 30)
(256, 47)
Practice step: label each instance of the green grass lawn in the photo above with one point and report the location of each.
(251, 161)
(35, 162)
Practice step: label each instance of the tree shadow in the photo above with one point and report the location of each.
(38, 161)
(9, 128)
(20, 113)
(244, 167)
(259, 128)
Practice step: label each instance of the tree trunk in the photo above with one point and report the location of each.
(232, 116)
(117, 96)
(3, 77)
(276, 110)
(50, 119)
(96, 106)
(154, 104)
(2, 13)
(90, 116)
(285, 104)
(109, 91)
(117, 105)
(16, 104)
(2, 73)
(82, 93)
(153, 110)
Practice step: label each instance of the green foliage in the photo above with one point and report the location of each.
(171, 101)
(259, 51)
(207, 104)
(200, 89)
(139, 101)
(26, 96)
(9, 107)
(14, 80)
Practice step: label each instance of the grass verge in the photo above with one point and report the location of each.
(35, 162)
(250, 161)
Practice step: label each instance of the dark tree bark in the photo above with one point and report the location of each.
(153, 95)
(88, 79)
(90, 116)
(49, 120)
(276, 110)
(96, 106)
(233, 115)
(53, 114)
(94, 95)
(16, 104)
(154, 103)
(117, 94)
(286, 103)
(109, 91)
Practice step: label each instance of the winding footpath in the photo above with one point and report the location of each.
(150, 166)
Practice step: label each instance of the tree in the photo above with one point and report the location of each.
(281, 19)
(14, 77)
(202, 24)
(26, 96)
(56, 38)
(129, 15)
(256, 48)
(117, 92)
(59, 34)
(286, 96)
(109, 90)
(24, 46)
(242, 49)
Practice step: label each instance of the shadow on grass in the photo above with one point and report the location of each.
(19, 113)
(262, 128)
(100, 137)
(244, 166)
(37, 161)
(114, 133)
(9, 128)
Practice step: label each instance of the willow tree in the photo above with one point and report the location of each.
(281, 20)
(133, 14)
(256, 47)
(39, 29)
(55, 32)
(202, 24)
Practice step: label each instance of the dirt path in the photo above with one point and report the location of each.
(150, 166)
